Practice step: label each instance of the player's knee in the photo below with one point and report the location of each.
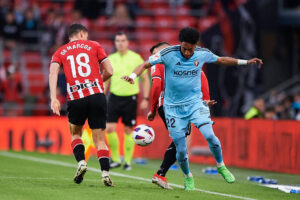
(110, 128)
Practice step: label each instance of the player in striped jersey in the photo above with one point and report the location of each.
(157, 75)
(80, 59)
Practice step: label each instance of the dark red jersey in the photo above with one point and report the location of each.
(158, 83)
(80, 60)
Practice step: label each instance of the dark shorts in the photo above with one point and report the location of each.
(161, 113)
(93, 108)
(124, 107)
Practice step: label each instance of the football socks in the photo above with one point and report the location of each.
(169, 160)
(213, 142)
(128, 148)
(181, 154)
(78, 149)
(113, 142)
(103, 157)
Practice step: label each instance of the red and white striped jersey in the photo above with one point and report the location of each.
(80, 60)
(157, 73)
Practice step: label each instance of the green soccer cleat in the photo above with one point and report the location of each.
(227, 175)
(189, 183)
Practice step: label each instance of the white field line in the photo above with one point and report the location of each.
(64, 164)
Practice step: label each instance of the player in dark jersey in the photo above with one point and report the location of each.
(157, 75)
(80, 59)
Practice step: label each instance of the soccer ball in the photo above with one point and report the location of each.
(143, 135)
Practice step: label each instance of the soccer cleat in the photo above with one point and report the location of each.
(227, 175)
(107, 181)
(161, 181)
(114, 165)
(82, 168)
(189, 183)
(127, 167)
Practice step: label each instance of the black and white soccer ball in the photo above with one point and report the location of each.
(143, 135)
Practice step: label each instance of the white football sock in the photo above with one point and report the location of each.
(188, 175)
(105, 173)
(220, 164)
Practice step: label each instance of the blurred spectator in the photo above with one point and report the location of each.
(57, 31)
(10, 32)
(78, 19)
(12, 90)
(257, 110)
(296, 106)
(30, 28)
(91, 9)
(270, 113)
(287, 112)
(121, 20)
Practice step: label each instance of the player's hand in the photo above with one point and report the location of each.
(128, 79)
(151, 116)
(210, 103)
(55, 106)
(255, 61)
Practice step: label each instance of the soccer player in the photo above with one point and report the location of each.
(183, 97)
(123, 100)
(80, 60)
(157, 74)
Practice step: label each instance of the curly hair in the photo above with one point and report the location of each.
(190, 35)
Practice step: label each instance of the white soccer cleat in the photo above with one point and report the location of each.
(81, 170)
(106, 180)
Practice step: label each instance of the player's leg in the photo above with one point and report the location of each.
(114, 145)
(169, 159)
(128, 147)
(178, 128)
(112, 136)
(77, 113)
(102, 155)
(183, 161)
(129, 120)
(215, 147)
(97, 109)
(201, 119)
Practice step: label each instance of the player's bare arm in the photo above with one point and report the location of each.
(137, 72)
(53, 76)
(107, 69)
(228, 61)
(146, 90)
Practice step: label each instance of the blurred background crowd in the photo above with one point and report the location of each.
(32, 30)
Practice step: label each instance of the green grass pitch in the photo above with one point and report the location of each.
(35, 176)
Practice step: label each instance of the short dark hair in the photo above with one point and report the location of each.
(190, 35)
(76, 28)
(121, 33)
(158, 45)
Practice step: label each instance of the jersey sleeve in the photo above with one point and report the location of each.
(101, 54)
(56, 58)
(155, 59)
(155, 72)
(155, 93)
(204, 87)
(210, 57)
